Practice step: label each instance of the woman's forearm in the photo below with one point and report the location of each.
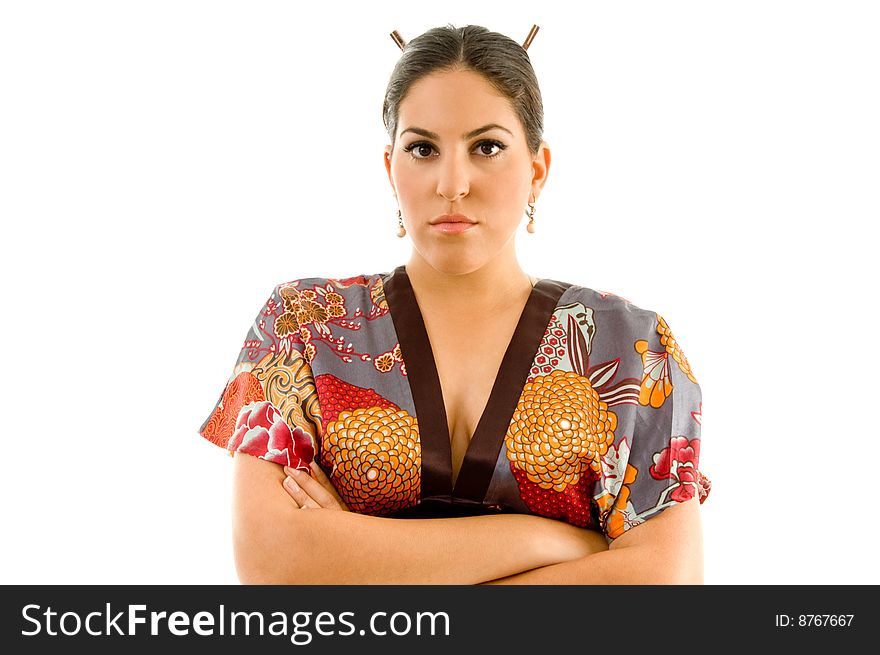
(621, 566)
(332, 547)
(667, 549)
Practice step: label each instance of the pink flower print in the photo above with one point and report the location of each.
(679, 462)
(261, 431)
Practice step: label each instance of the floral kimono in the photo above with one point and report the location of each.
(594, 418)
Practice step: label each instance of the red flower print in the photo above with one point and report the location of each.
(679, 462)
(261, 431)
(705, 486)
(360, 280)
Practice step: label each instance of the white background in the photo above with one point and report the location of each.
(163, 165)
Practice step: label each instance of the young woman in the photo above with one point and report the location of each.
(456, 420)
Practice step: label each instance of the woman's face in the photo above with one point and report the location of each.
(488, 177)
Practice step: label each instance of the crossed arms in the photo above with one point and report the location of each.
(275, 542)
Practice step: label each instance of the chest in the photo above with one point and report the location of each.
(437, 432)
(468, 360)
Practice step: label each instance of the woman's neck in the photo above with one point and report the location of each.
(498, 284)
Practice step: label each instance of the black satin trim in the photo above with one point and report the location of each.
(424, 384)
(434, 508)
(478, 464)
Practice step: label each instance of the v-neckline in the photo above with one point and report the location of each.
(478, 464)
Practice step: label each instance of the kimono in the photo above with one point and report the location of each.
(594, 417)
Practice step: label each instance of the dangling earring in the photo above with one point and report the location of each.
(401, 231)
(530, 228)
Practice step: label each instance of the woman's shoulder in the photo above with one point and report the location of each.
(342, 284)
(612, 306)
(612, 320)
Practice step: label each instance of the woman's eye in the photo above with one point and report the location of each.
(422, 150)
(489, 144)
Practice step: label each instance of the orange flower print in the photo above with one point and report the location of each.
(304, 308)
(286, 324)
(614, 511)
(559, 430)
(672, 348)
(384, 362)
(289, 294)
(370, 449)
(656, 386)
(312, 312)
(374, 457)
(335, 311)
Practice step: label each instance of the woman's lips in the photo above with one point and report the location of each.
(452, 228)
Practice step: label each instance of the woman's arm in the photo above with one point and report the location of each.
(277, 543)
(665, 549)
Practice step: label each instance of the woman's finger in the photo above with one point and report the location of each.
(299, 495)
(292, 499)
(313, 489)
(318, 474)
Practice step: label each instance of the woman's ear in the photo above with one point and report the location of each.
(541, 165)
(387, 159)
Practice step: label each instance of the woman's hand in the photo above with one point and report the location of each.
(312, 492)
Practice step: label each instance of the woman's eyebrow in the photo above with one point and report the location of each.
(464, 137)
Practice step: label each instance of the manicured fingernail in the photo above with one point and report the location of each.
(293, 486)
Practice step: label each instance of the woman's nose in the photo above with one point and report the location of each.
(454, 177)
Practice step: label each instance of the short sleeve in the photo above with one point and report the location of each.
(656, 465)
(268, 406)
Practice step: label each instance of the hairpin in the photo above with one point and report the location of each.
(398, 39)
(531, 36)
(532, 32)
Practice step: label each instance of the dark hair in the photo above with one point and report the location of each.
(503, 62)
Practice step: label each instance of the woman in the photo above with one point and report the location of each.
(457, 420)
